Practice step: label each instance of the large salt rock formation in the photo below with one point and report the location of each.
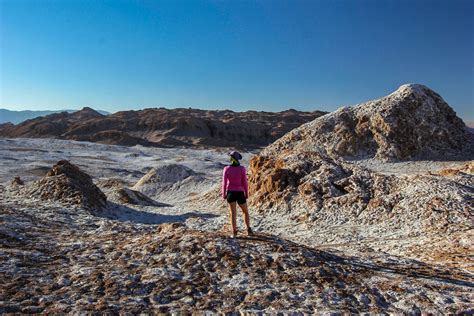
(302, 175)
(66, 183)
(413, 121)
(306, 163)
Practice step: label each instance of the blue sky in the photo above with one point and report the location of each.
(239, 55)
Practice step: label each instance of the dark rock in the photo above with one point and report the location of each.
(17, 181)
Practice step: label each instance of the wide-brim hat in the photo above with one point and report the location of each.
(235, 155)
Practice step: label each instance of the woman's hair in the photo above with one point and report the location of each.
(234, 162)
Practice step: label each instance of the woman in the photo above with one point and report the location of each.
(235, 189)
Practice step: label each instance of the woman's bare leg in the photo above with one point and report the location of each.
(245, 210)
(233, 221)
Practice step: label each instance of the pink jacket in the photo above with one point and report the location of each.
(234, 179)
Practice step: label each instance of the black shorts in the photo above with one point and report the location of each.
(239, 196)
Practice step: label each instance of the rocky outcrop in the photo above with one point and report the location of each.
(305, 174)
(334, 203)
(277, 181)
(319, 189)
(164, 127)
(412, 122)
(67, 184)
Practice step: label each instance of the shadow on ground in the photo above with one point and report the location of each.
(126, 214)
(404, 267)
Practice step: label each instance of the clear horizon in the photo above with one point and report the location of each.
(244, 55)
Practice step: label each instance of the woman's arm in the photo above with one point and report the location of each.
(245, 182)
(224, 183)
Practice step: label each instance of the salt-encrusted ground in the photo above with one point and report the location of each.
(62, 259)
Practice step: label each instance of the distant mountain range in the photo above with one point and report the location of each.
(164, 127)
(16, 117)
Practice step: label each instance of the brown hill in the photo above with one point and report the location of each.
(164, 127)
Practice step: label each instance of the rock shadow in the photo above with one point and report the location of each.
(419, 270)
(124, 213)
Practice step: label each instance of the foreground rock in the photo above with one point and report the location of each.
(53, 260)
(320, 189)
(67, 184)
(339, 204)
(412, 122)
(164, 127)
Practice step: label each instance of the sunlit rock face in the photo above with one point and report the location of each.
(412, 122)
